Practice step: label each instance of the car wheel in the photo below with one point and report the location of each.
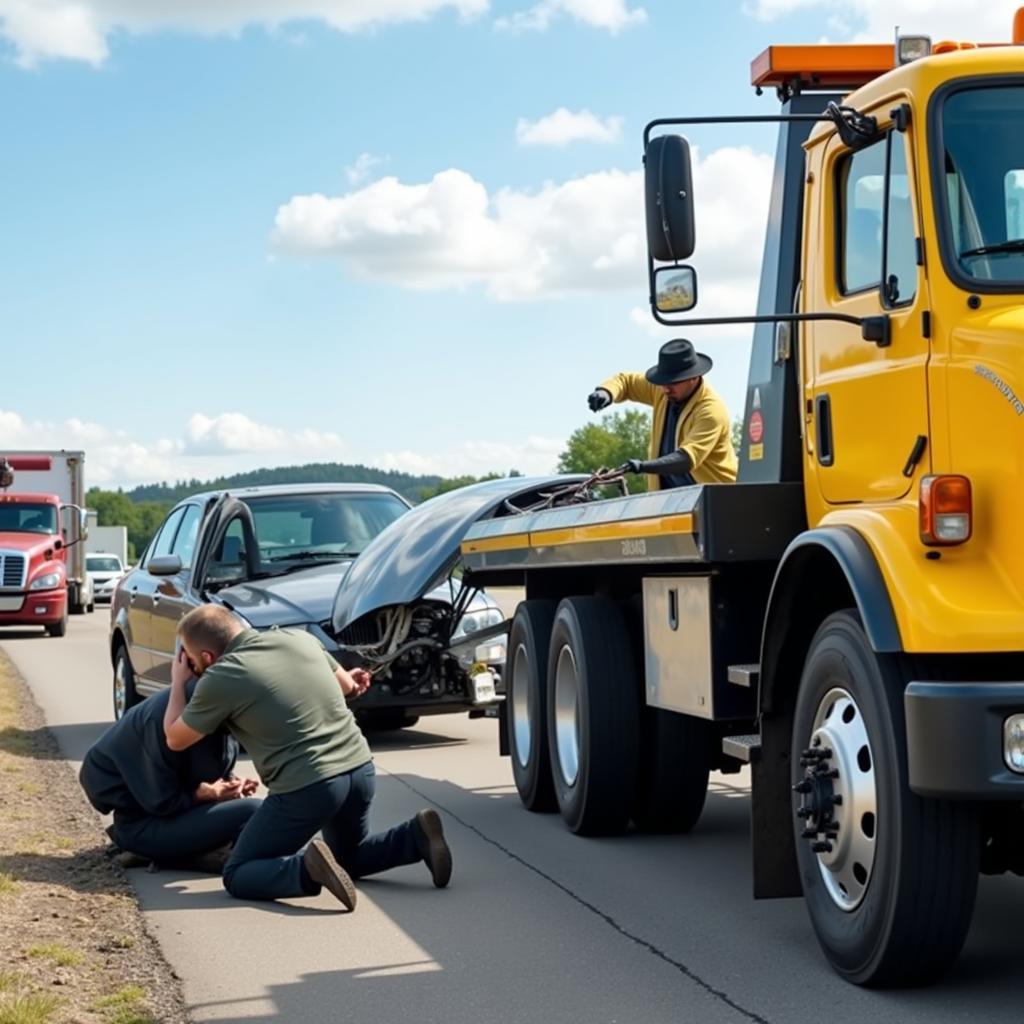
(672, 777)
(526, 680)
(60, 627)
(889, 877)
(125, 694)
(592, 715)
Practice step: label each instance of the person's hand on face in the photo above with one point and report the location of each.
(182, 669)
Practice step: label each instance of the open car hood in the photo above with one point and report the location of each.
(305, 595)
(410, 556)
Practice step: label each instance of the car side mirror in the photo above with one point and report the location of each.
(675, 289)
(164, 565)
(668, 187)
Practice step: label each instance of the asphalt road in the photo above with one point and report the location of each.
(537, 925)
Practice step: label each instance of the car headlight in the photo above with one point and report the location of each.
(471, 622)
(47, 582)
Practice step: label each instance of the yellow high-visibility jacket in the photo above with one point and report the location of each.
(704, 429)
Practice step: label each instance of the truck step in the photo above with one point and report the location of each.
(743, 748)
(744, 675)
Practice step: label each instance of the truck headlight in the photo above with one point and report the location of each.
(47, 582)
(1013, 743)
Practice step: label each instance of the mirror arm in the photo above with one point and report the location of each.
(873, 328)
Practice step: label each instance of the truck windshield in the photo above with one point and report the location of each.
(983, 161)
(28, 518)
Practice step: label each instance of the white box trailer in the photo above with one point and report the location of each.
(61, 473)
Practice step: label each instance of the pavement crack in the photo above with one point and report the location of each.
(638, 940)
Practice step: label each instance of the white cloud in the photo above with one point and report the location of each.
(536, 456)
(79, 29)
(585, 235)
(565, 126)
(875, 20)
(613, 15)
(228, 443)
(358, 172)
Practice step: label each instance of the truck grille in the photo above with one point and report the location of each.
(12, 570)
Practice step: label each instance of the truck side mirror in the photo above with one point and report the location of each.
(675, 289)
(668, 184)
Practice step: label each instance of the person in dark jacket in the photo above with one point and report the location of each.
(168, 807)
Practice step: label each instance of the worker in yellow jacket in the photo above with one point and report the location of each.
(691, 434)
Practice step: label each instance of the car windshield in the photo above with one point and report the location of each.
(983, 159)
(307, 528)
(28, 518)
(106, 564)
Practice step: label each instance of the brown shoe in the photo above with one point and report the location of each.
(433, 846)
(326, 871)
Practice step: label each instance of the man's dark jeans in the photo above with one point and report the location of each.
(266, 863)
(178, 837)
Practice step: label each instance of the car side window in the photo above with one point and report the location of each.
(185, 543)
(162, 544)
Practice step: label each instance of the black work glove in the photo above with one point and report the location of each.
(632, 466)
(598, 399)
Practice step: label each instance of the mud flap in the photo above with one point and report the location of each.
(776, 875)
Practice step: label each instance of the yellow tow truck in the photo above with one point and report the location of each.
(848, 618)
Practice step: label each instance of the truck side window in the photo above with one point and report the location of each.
(862, 194)
(878, 247)
(185, 542)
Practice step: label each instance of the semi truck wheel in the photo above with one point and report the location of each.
(526, 681)
(592, 716)
(889, 877)
(125, 694)
(60, 627)
(672, 778)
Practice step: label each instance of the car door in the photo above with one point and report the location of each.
(140, 588)
(173, 597)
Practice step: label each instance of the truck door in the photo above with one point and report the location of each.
(867, 405)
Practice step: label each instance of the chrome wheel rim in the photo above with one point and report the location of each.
(521, 730)
(839, 808)
(120, 687)
(567, 728)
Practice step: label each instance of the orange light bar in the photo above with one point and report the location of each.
(827, 66)
(945, 510)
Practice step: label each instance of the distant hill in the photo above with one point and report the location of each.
(406, 484)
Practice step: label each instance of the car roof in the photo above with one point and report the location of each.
(270, 490)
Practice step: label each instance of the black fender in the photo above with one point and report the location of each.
(822, 571)
(849, 553)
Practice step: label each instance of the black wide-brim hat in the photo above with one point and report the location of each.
(678, 361)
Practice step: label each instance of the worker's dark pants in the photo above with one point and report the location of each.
(175, 837)
(266, 862)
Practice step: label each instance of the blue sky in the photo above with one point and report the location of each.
(399, 232)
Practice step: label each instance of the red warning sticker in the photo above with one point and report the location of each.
(755, 428)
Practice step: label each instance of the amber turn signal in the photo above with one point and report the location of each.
(945, 508)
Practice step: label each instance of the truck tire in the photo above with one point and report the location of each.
(672, 776)
(125, 694)
(60, 627)
(592, 716)
(526, 692)
(891, 878)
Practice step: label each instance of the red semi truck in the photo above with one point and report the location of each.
(42, 526)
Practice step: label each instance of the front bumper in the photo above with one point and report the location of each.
(43, 607)
(955, 739)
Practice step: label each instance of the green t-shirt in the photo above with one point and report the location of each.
(277, 694)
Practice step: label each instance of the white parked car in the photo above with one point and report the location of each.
(104, 570)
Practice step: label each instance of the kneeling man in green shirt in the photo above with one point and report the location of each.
(282, 696)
